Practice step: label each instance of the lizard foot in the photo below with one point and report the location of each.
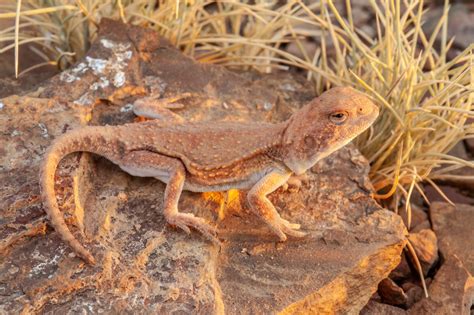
(186, 220)
(283, 227)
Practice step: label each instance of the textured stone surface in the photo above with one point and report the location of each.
(425, 244)
(391, 293)
(402, 271)
(145, 266)
(454, 227)
(418, 216)
(375, 308)
(452, 291)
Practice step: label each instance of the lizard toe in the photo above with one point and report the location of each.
(293, 226)
(286, 228)
(295, 233)
(186, 220)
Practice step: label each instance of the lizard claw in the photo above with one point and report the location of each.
(186, 220)
(282, 227)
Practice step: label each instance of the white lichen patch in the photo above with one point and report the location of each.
(109, 71)
(126, 108)
(97, 65)
(44, 130)
(113, 45)
(15, 133)
(68, 77)
(267, 106)
(85, 99)
(72, 74)
(2, 105)
(44, 262)
(103, 83)
(107, 43)
(119, 79)
(80, 68)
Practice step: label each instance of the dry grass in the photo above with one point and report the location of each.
(425, 99)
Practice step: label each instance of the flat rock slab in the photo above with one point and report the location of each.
(454, 227)
(145, 266)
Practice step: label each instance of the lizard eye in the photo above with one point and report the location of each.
(338, 118)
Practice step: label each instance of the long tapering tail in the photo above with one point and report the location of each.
(86, 139)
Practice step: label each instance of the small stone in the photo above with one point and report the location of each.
(360, 16)
(470, 145)
(391, 293)
(453, 194)
(414, 294)
(454, 227)
(418, 216)
(452, 291)
(425, 225)
(309, 47)
(402, 271)
(425, 244)
(459, 150)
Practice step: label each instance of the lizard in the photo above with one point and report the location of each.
(202, 157)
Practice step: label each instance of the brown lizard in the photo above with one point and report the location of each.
(201, 157)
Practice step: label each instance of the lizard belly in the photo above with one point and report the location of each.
(243, 182)
(161, 174)
(194, 184)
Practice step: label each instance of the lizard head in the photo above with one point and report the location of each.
(324, 125)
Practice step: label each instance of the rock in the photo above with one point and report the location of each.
(309, 49)
(360, 16)
(426, 248)
(452, 291)
(454, 194)
(470, 144)
(391, 293)
(146, 265)
(459, 150)
(9, 85)
(414, 294)
(402, 271)
(425, 225)
(418, 216)
(454, 227)
(376, 308)
(465, 183)
(459, 25)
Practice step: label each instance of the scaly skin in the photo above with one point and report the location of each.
(202, 157)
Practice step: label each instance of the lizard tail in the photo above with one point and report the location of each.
(74, 141)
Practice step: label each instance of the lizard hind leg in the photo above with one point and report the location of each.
(172, 172)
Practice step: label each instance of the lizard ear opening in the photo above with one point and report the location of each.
(339, 117)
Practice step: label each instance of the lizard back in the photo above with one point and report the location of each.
(205, 145)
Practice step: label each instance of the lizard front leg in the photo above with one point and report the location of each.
(259, 203)
(172, 172)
